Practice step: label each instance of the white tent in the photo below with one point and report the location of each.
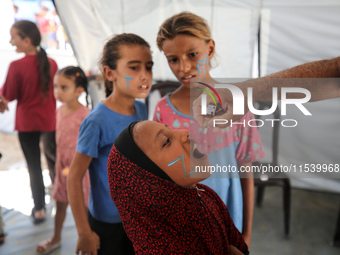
(287, 32)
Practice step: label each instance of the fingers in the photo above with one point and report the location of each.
(2, 107)
(197, 109)
(200, 119)
(97, 240)
(3, 104)
(88, 246)
(86, 253)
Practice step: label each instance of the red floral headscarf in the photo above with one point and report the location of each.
(161, 217)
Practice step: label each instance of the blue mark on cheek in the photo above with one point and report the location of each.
(202, 63)
(127, 80)
(183, 166)
(177, 159)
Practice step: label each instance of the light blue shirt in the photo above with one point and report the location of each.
(97, 134)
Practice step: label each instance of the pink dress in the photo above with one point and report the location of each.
(227, 148)
(66, 138)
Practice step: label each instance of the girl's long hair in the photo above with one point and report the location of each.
(29, 29)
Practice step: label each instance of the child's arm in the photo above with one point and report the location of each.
(88, 241)
(234, 251)
(247, 183)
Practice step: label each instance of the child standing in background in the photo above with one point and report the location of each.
(127, 67)
(69, 83)
(29, 81)
(186, 41)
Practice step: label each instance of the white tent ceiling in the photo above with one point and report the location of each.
(234, 27)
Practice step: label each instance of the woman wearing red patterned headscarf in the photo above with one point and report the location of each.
(163, 208)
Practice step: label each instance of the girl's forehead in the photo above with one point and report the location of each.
(13, 30)
(183, 43)
(63, 78)
(138, 53)
(133, 47)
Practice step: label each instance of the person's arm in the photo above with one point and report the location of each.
(88, 241)
(11, 88)
(234, 251)
(320, 89)
(247, 183)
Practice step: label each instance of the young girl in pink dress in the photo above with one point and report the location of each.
(69, 83)
(187, 44)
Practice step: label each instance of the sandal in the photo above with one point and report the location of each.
(37, 220)
(47, 247)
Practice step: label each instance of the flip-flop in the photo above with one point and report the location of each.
(47, 247)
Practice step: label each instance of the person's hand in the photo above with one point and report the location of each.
(223, 118)
(3, 104)
(88, 244)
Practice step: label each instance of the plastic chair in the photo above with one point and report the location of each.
(272, 179)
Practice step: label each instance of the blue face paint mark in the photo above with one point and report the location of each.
(177, 159)
(202, 63)
(183, 166)
(127, 80)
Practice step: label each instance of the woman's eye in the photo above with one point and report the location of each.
(134, 67)
(172, 60)
(64, 88)
(149, 68)
(194, 54)
(166, 142)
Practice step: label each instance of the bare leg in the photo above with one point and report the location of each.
(58, 226)
(59, 220)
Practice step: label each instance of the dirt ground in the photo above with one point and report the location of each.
(12, 156)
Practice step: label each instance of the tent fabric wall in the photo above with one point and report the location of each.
(292, 33)
(234, 25)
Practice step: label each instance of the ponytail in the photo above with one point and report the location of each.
(44, 68)
(29, 29)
